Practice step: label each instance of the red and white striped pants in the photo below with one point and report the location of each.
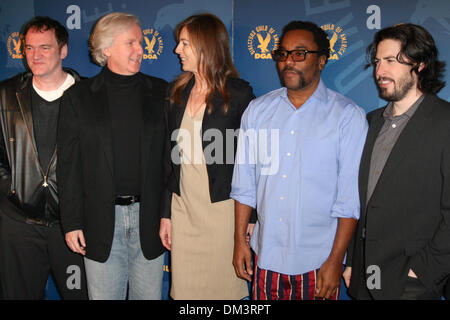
(270, 285)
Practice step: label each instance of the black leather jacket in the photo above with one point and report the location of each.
(28, 192)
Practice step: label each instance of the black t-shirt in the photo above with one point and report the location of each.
(45, 121)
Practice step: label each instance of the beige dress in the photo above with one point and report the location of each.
(202, 232)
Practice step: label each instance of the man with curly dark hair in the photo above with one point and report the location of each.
(401, 247)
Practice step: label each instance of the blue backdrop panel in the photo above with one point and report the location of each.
(353, 24)
(254, 27)
(13, 15)
(158, 18)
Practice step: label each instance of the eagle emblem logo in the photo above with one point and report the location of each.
(153, 44)
(338, 41)
(150, 45)
(262, 41)
(15, 45)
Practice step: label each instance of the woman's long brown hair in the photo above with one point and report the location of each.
(209, 37)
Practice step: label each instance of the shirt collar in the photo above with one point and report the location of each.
(389, 111)
(319, 94)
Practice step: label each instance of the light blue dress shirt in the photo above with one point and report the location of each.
(299, 168)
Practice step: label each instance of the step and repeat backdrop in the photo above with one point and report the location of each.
(254, 27)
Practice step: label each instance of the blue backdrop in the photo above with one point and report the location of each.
(254, 28)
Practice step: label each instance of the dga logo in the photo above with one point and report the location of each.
(153, 44)
(262, 41)
(338, 41)
(15, 45)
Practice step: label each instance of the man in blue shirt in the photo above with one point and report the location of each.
(297, 163)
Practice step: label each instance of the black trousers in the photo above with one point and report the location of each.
(29, 253)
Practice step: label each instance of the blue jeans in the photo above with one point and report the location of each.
(126, 264)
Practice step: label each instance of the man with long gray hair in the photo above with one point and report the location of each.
(111, 142)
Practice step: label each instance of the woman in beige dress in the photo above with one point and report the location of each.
(206, 104)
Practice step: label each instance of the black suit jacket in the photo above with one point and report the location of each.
(219, 175)
(407, 218)
(85, 170)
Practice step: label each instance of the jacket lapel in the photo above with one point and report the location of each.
(103, 119)
(178, 110)
(148, 126)
(217, 104)
(24, 101)
(374, 129)
(216, 112)
(406, 143)
(175, 117)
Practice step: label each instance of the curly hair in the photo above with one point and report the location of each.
(417, 48)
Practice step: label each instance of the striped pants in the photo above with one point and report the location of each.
(270, 285)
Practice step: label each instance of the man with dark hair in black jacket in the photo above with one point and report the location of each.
(400, 249)
(31, 241)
